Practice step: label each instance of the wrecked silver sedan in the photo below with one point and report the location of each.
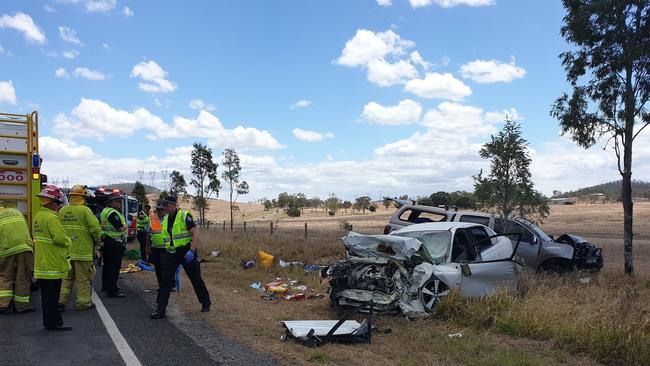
(411, 269)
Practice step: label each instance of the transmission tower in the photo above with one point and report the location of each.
(141, 175)
(65, 182)
(152, 177)
(165, 179)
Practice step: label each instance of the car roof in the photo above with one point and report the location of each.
(436, 226)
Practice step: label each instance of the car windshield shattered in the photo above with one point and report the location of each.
(435, 243)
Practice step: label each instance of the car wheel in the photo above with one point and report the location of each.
(432, 292)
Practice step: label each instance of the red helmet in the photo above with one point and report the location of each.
(53, 193)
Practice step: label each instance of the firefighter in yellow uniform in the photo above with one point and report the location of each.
(16, 260)
(51, 261)
(83, 228)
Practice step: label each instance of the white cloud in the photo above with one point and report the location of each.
(106, 47)
(367, 46)
(154, 78)
(385, 2)
(301, 104)
(417, 59)
(382, 54)
(454, 118)
(501, 116)
(89, 74)
(492, 71)
(94, 118)
(311, 136)
(48, 8)
(70, 54)
(93, 6)
(61, 73)
(405, 112)
(450, 3)
(7, 92)
(24, 24)
(64, 149)
(208, 126)
(438, 86)
(69, 35)
(199, 104)
(127, 12)
(2, 50)
(383, 73)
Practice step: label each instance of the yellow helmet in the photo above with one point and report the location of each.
(79, 190)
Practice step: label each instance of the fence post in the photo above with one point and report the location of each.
(271, 226)
(305, 230)
(244, 226)
(224, 225)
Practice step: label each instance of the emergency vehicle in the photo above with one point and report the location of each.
(20, 163)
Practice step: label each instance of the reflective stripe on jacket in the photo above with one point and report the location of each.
(14, 233)
(83, 229)
(108, 229)
(142, 224)
(155, 229)
(50, 246)
(180, 235)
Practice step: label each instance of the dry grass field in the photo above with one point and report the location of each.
(552, 320)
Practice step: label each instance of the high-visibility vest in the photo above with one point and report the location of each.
(108, 229)
(51, 244)
(155, 229)
(142, 223)
(14, 233)
(180, 235)
(83, 228)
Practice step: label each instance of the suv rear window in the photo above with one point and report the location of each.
(418, 217)
(475, 219)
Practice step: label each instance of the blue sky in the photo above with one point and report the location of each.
(347, 97)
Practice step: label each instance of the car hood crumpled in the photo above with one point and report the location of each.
(376, 270)
(400, 248)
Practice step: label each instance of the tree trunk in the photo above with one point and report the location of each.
(628, 138)
(231, 223)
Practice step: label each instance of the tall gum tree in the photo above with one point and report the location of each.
(609, 74)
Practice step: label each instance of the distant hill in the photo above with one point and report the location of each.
(612, 190)
(128, 187)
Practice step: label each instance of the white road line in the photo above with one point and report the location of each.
(118, 340)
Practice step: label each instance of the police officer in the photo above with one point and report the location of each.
(181, 239)
(50, 255)
(83, 228)
(114, 232)
(16, 261)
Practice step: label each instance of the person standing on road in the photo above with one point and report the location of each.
(51, 260)
(142, 227)
(156, 242)
(16, 261)
(114, 232)
(181, 240)
(83, 228)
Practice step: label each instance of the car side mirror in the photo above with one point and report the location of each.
(464, 268)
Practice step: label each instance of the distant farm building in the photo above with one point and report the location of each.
(564, 201)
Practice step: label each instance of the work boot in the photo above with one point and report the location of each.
(205, 308)
(25, 311)
(159, 313)
(82, 308)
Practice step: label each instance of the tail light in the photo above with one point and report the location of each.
(387, 229)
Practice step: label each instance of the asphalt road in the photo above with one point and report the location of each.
(179, 339)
